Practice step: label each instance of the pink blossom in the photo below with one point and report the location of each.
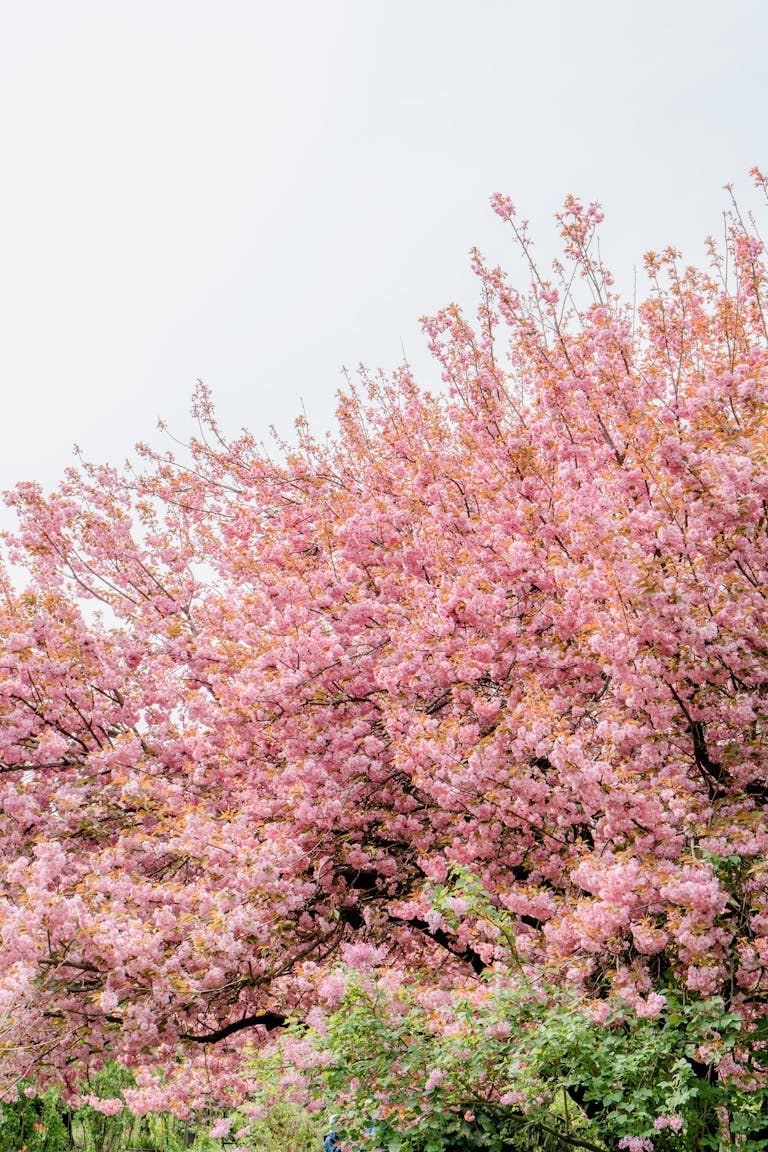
(512, 1098)
(599, 1011)
(652, 1006)
(221, 1128)
(332, 989)
(108, 1001)
(490, 633)
(435, 1078)
(106, 1107)
(674, 1122)
(363, 955)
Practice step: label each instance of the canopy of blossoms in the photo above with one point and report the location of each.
(254, 710)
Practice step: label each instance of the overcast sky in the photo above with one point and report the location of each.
(258, 193)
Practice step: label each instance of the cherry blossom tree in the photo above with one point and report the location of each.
(256, 711)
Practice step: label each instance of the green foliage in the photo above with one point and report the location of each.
(45, 1123)
(286, 1127)
(36, 1124)
(507, 1064)
(521, 1066)
(91, 1129)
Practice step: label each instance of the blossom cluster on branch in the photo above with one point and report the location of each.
(255, 710)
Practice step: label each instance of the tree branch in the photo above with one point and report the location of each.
(269, 1020)
(445, 940)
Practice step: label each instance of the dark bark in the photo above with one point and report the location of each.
(268, 1020)
(445, 940)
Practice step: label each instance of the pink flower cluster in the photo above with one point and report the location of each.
(257, 715)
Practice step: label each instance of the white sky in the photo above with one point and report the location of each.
(257, 193)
